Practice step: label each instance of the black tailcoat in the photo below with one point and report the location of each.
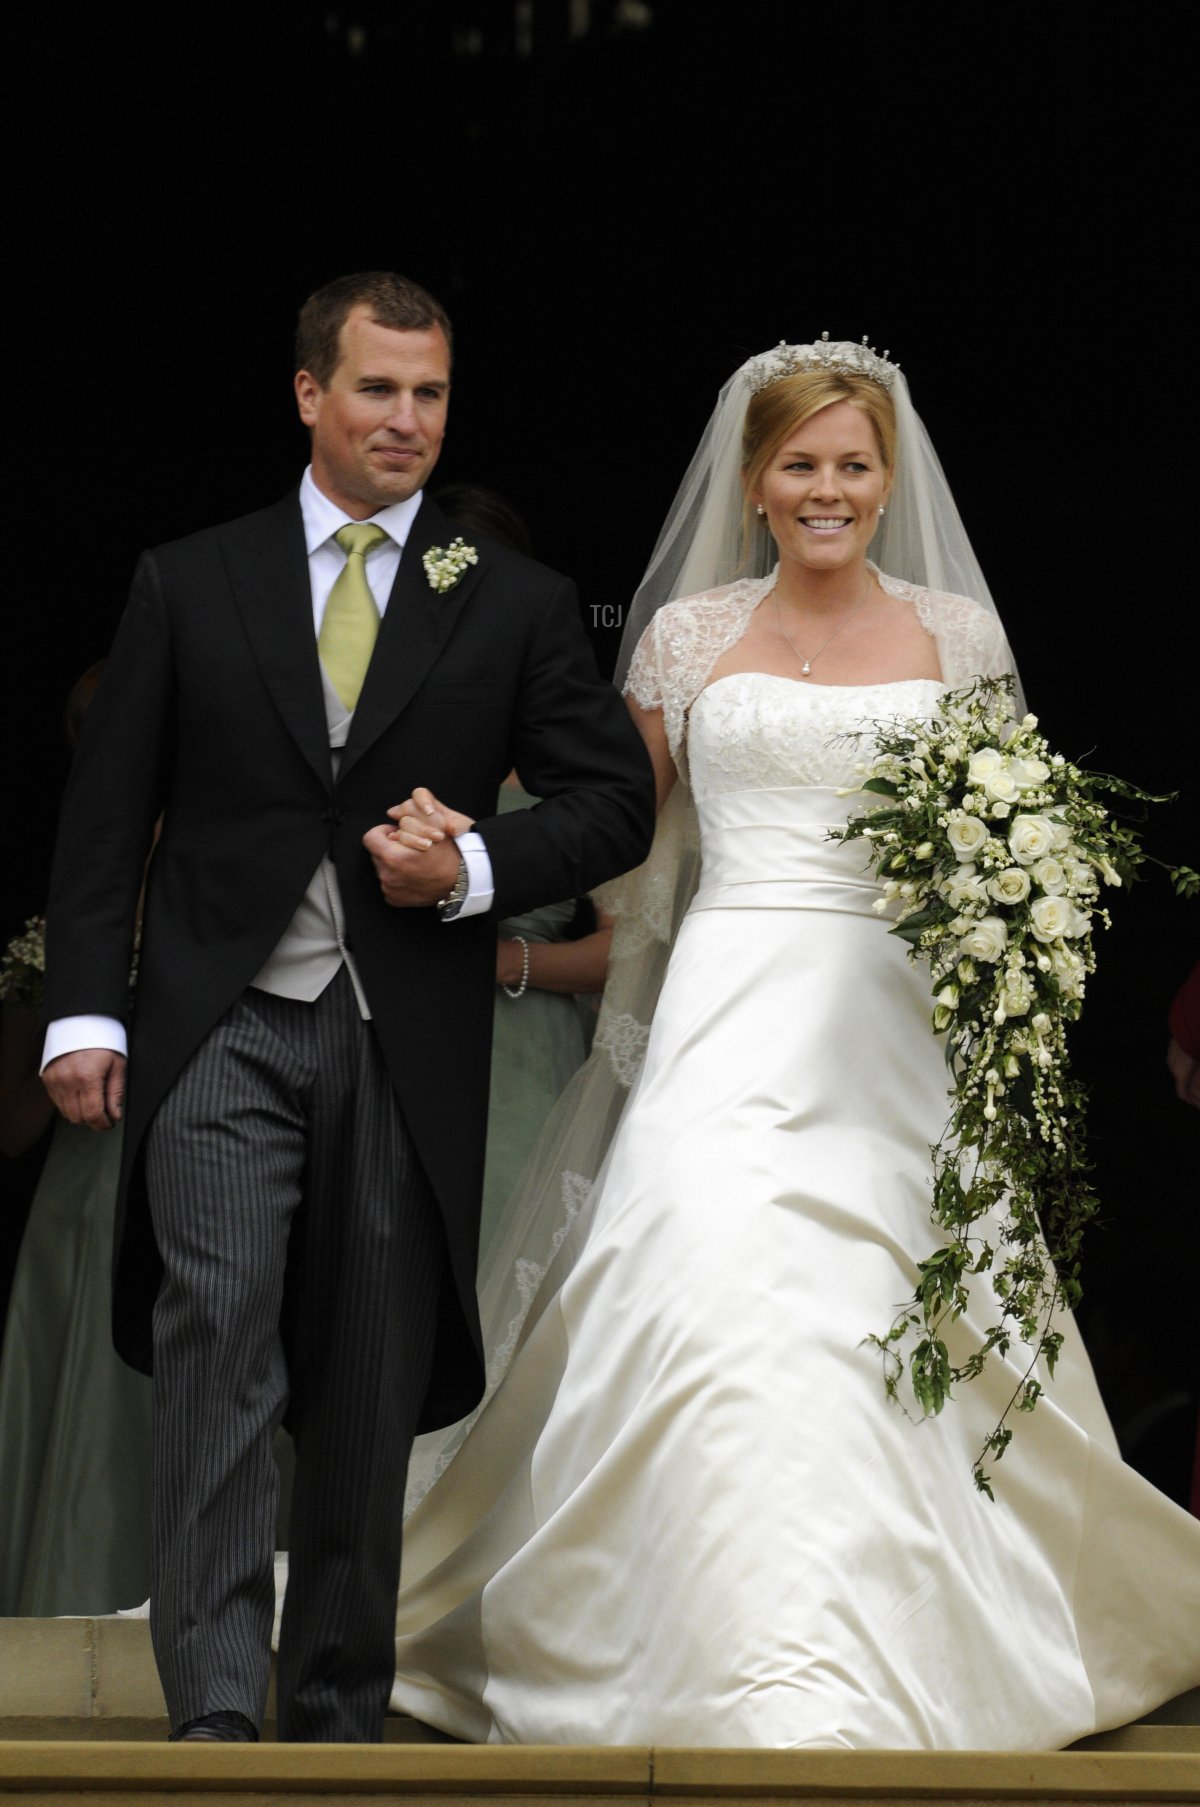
(211, 713)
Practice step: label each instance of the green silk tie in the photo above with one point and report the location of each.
(347, 637)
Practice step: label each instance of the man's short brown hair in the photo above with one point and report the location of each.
(393, 301)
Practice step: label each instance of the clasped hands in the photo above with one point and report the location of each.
(416, 860)
(417, 863)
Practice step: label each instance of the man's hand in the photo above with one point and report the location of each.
(411, 877)
(88, 1086)
(423, 821)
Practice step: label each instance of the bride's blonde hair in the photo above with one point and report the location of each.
(774, 414)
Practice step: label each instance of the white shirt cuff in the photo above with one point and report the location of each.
(481, 888)
(69, 1034)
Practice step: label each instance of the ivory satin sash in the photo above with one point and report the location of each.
(769, 850)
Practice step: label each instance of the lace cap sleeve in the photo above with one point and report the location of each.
(970, 639)
(681, 645)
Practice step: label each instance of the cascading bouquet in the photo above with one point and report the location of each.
(992, 850)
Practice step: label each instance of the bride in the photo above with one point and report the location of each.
(689, 1515)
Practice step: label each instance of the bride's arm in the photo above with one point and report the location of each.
(651, 727)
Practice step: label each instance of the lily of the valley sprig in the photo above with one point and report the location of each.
(994, 852)
(444, 565)
(23, 965)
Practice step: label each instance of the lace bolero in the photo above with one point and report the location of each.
(686, 638)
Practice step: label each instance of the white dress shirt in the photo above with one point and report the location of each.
(326, 560)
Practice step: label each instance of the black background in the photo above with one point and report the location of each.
(617, 202)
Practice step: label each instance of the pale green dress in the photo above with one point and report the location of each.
(538, 1041)
(75, 1422)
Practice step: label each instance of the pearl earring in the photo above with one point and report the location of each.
(882, 509)
(759, 510)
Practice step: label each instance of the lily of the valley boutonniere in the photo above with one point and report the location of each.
(444, 565)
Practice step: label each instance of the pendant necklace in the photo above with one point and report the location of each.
(806, 665)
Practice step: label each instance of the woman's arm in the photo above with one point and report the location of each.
(580, 966)
(566, 966)
(651, 727)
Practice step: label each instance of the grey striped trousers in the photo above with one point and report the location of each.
(304, 1259)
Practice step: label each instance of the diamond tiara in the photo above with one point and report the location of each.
(826, 354)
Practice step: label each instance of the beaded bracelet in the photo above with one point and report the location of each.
(518, 991)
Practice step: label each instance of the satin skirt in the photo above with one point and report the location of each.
(690, 1515)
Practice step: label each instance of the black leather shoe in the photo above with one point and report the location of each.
(216, 1728)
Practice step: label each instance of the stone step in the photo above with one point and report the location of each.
(82, 1712)
(48, 1774)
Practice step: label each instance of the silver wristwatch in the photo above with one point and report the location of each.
(449, 906)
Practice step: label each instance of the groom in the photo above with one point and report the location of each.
(308, 1061)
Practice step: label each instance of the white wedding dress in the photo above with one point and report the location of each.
(689, 1516)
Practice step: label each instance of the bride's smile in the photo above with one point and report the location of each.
(823, 489)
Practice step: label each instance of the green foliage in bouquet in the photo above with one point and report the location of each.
(993, 851)
(23, 966)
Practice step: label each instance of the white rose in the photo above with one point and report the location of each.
(1001, 787)
(985, 940)
(1081, 922)
(1017, 995)
(1010, 886)
(964, 886)
(998, 811)
(1030, 839)
(944, 1006)
(1070, 972)
(983, 763)
(1050, 875)
(966, 834)
(1029, 772)
(1062, 836)
(1052, 917)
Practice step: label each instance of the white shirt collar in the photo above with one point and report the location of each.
(322, 518)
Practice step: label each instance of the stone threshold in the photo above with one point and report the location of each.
(44, 1774)
(93, 1683)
